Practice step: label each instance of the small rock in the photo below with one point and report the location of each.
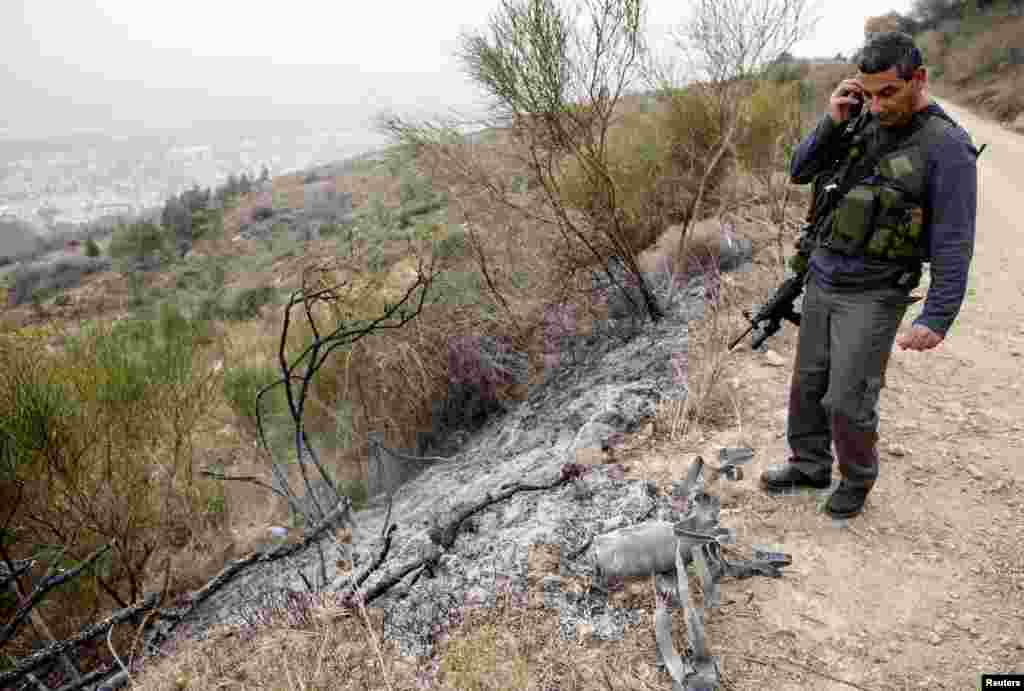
(584, 632)
(934, 638)
(973, 471)
(773, 359)
(899, 450)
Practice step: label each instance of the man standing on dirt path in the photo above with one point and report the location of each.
(895, 186)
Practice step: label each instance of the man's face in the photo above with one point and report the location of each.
(892, 99)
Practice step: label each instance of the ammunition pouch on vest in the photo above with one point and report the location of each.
(878, 221)
(882, 216)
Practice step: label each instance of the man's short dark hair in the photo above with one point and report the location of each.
(889, 49)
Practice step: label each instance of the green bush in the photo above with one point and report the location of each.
(356, 491)
(91, 248)
(141, 246)
(461, 288)
(246, 303)
(206, 223)
(520, 183)
(376, 262)
(786, 71)
(413, 186)
(453, 244)
(416, 208)
(242, 384)
(200, 287)
(379, 214)
(136, 289)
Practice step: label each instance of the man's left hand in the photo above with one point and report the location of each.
(919, 338)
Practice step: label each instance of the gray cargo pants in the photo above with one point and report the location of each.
(844, 346)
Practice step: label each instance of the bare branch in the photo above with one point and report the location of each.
(726, 40)
(43, 589)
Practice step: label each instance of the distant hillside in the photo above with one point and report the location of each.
(16, 237)
(973, 49)
(979, 61)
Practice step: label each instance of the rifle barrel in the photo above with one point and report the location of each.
(741, 337)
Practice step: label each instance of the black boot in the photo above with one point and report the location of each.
(858, 462)
(780, 478)
(847, 501)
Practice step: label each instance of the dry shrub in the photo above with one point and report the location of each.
(99, 438)
(823, 78)
(647, 189)
(882, 23)
(703, 240)
(986, 50)
(696, 124)
(933, 48)
(387, 381)
(712, 402)
(659, 158)
(975, 64)
(709, 404)
(771, 119)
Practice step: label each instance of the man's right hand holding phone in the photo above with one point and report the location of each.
(846, 101)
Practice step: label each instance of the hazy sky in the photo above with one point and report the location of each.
(126, 65)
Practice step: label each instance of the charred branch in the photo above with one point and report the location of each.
(43, 589)
(28, 664)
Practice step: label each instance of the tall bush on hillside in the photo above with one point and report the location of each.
(556, 81)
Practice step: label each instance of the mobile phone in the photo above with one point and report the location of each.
(855, 108)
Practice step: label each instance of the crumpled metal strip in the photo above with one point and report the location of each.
(698, 671)
(708, 564)
(704, 675)
(678, 668)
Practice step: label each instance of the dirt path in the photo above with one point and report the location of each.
(926, 588)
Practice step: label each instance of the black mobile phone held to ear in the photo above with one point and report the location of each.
(856, 108)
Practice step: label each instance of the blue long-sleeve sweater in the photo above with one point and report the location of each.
(951, 206)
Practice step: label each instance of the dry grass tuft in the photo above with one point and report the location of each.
(712, 403)
(514, 644)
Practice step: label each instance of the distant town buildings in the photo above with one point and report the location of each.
(84, 183)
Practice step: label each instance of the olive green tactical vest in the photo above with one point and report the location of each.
(882, 216)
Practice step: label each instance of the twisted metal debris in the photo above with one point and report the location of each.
(693, 538)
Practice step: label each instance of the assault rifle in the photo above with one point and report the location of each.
(779, 306)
